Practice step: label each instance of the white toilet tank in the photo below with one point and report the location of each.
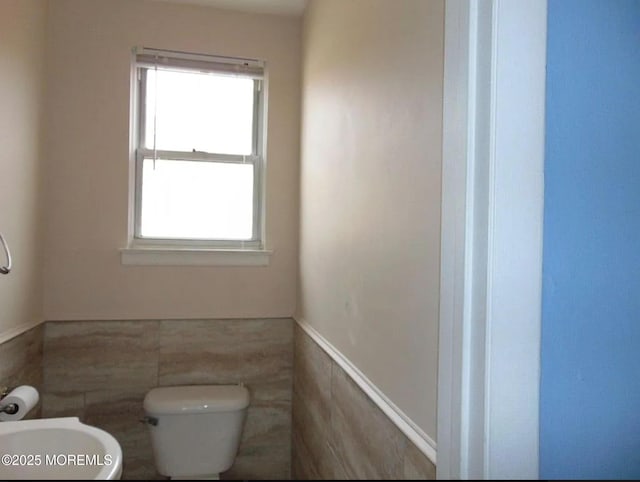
(198, 427)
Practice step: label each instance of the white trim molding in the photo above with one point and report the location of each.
(491, 265)
(194, 257)
(414, 433)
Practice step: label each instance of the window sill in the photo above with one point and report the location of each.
(194, 257)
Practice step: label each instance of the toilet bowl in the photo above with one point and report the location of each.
(195, 430)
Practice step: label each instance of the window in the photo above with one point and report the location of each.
(198, 151)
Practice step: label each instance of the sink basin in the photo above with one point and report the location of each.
(57, 448)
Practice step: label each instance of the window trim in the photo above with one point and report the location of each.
(139, 152)
(180, 256)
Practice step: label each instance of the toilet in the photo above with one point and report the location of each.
(195, 430)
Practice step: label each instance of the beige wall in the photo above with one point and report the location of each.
(370, 190)
(22, 55)
(87, 163)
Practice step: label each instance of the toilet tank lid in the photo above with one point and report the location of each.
(196, 399)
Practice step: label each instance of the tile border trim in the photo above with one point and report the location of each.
(16, 331)
(408, 427)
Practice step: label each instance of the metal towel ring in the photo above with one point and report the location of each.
(5, 269)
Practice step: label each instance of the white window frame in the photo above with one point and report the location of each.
(145, 59)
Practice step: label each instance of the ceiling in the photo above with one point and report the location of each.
(275, 7)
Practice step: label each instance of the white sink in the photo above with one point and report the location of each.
(57, 448)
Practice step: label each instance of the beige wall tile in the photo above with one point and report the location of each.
(366, 442)
(21, 363)
(312, 377)
(416, 465)
(313, 455)
(312, 443)
(125, 403)
(256, 352)
(21, 358)
(99, 355)
(338, 432)
(302, 466)
(65, 404)
(119, 413)
(265, 448)
(112, 365)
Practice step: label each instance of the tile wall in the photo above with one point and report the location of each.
(338, 432)
(100, 371)
(21, 362)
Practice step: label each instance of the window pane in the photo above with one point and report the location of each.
(188, 111)
(196, 200)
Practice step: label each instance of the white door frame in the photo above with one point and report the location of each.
(491, 269)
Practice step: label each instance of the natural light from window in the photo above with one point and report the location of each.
(204, 112)
(198, 199)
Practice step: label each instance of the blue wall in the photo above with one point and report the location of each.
(590, 392)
